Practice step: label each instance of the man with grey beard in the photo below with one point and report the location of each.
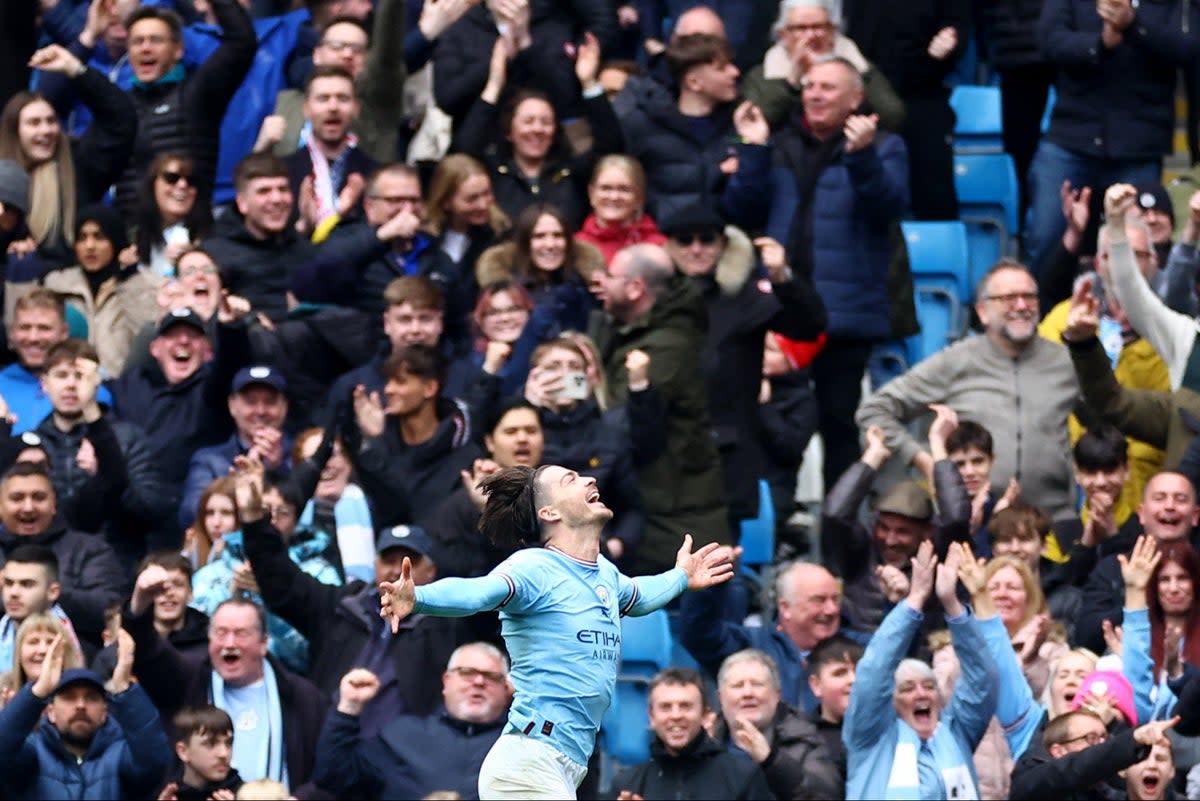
(1013, 382)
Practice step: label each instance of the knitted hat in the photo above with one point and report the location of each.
(1107, 682)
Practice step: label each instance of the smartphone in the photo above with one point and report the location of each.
(575, 386)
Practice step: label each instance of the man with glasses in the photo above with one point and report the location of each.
(1080, 757)
(414, 755)
(1016, 384)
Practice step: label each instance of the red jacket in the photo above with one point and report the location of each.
(611, 238)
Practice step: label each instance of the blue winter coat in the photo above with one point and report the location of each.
(209, 464)
(128, 756)
(845, 230)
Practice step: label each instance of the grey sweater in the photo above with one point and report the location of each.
(1023, 402)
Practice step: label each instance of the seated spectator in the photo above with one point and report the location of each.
(685, 762)
(90, 575)
(104, 470)
(258, 404)
(30, 587)
(216, 516)
(901, 738)
(618, 218)
(204, 748)
(362, 258)
(683, 137)
(114, 300)
(873, 564)
(524, 144)
(257, 246)
(808, 611)
(551, 266)
(180, 398)
(806, 30)
(1038, 642)
(414, 755)
(36, 322)
(278, 714)
(31, 647)
(185, 627)
(781, 741)
(321, 472)
(410, 453)
(170, 213)
(1080, 756)
(65, 175)
(326, 173)
(343, 626)
(1023, 532)
(832, 666)
(57, 738)
(462, 217)
(580, 435)
(974, 377)
(232, 575)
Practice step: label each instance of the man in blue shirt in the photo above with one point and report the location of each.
(560, 608)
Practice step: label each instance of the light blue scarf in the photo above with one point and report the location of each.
(958, 775)
(355, 532)
(269, 762)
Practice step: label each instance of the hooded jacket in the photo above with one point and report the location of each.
(127, 757)
(612, 238)
(573, 302)
(682, 488)
(703, 769)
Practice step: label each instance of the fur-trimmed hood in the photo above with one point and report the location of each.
(496, 263)
(737, 263)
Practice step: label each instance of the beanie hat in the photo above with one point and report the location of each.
(1107, 682)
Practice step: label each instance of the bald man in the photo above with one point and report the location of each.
(808, 611)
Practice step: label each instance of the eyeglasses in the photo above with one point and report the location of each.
(506, 310)
(173, 178)
(198, 269)
(815, 28)
(1011, 298)
(470, 674)
(703, 237)
(338, 46)
(1091, 738)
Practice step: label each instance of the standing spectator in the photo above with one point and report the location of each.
(838, 190)
(524, 144)
(416, 755)
(988, 378)
(58, 739)
(617, 194)
(30, 587)
(65, 175)
(781, 741)
(176, 111)
(916, 46)
(649, 308)
(1113, 116)
(900, 739)
(685, 762)
(170, 214)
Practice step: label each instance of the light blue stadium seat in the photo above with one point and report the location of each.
(646, 648)
(989, 199)
(758, 533)
(978, 124)
(938, 259)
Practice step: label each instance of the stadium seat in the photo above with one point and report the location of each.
(989, 205)
(758, 533)
(938, 259)
(646, 648)
(978, 126)
(893, 359)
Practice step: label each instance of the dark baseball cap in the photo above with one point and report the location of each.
(184, 316)
(414, 538)
(262, 374)
(907, 499)
(79, 676)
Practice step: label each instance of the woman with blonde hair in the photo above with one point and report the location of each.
(617, 193)
(216, 516)
(462, 216)
(64, 175)
(35, 636)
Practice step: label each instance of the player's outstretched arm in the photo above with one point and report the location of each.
(707, 567)
(711, 565)
(449, 597)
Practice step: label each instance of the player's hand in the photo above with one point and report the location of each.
(397, 598)
(711, 565)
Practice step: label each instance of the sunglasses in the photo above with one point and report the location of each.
(703, 237)
(174, 178)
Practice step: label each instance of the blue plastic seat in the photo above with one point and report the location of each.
(758, 533)
(978, 126)
(646, 648)
(989, 199)
(938, 259)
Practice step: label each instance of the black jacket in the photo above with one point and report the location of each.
(338, 622)
(187, 115)
(257, 269)
(91, 577)
(460, 549)
(1076, 776)
(457, 281)
(703, 770)
(742, 308)
(895, 38)
(191, 641)
(1116, 104)
(1012, 25)
(799, 765)
(786, 424)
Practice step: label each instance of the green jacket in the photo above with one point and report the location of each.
(681, 482)
(776, 98)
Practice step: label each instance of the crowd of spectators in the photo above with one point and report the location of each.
(284, 280)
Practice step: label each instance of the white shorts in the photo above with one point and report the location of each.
(520, 766)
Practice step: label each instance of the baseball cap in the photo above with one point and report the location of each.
(262, 374)
(180, 317)
(79, 676)
(414, 538)
(1154, 196)
(907, 499)
(14, 185)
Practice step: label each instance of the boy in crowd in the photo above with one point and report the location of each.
(969, 446)
(831, 678)
(204, 746)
